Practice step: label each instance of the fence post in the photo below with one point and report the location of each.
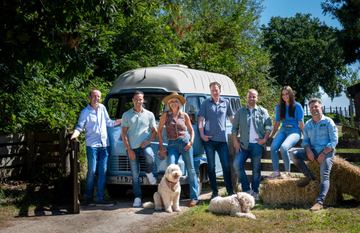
(324, 110)
(232, 152)
(30, 155)
(75, 166)
(63, 144)
(330, 110)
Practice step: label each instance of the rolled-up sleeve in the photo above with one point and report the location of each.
(333, 134)
(268, 124)
(81, 122)
(236, 123)
(306, 139)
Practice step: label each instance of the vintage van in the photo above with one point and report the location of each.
(157, 83)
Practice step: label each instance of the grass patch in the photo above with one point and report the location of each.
(269, 219)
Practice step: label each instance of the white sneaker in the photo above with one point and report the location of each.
(250, 192)
(151, 178)
(255, 195)
(137, 202)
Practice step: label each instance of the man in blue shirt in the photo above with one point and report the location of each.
(215, 110)
(319, 142)
(94, 119)
(254, 124)
(138, 130)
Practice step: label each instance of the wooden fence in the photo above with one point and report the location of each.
(266, 164)
(21, 154)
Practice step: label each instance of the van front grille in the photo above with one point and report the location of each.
(124, 164)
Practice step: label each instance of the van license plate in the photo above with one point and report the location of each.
(127, 179)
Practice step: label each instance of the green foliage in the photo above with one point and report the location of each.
(348, 14)
(305, 55)
(45, 104)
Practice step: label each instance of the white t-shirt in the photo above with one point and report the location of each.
(253, 133)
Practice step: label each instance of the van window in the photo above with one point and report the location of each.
(192, 107)
(238, 104)
(233, 105)
(118, 104)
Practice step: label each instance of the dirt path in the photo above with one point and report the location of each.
(121, 217)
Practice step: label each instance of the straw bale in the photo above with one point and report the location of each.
(344, 178)
(278, 192)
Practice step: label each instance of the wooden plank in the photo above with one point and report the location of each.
(76, 177)
(269, 167)
(65, 157)
(13, 172)
(12, 150)
(12, 138)
(30, 153)
(13, 161)
(350, 157)
(45, 148)
(46, 137)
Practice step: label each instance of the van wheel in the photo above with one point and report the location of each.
(186, 188)
(116, 191)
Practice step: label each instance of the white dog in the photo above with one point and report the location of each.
(236, 205)
(168, 191)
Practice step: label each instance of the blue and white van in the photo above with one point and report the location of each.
(157, 83)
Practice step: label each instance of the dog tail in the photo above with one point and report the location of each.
(149, 205)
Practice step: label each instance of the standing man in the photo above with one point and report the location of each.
(215, 110)
(138, 130)
(319, 142)
(94, 119)
(254, 124)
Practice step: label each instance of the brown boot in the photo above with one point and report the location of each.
(303, 182)
(317, 207)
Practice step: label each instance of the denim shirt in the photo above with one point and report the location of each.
(323, 134)
(261, 120)
(95, 124)
(215, 118)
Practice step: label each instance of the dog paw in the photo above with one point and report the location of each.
(177, 210)
(169, 210)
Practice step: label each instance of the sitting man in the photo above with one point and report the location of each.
(319, 142)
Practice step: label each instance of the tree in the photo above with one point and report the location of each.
(348, 14)
(305, 55)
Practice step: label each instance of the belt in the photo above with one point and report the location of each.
(289, 126)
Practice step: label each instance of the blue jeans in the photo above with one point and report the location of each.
(255, 152)
(223, 152)
(285, 139)
(299, 156)
(175, 148)
(96, 157)
(148, 153)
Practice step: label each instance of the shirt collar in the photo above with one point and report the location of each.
(256, 107)
(220, 100)
(321, 119)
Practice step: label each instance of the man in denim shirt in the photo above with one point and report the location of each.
(254, 124)
(94, 119)
(319, 142)
(215, 110)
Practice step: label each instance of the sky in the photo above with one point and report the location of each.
(289, 8)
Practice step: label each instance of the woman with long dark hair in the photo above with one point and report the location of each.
(291, 115)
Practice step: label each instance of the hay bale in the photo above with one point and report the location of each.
(279, 192)
(344, 178)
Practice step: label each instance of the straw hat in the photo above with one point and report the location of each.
(174, 95)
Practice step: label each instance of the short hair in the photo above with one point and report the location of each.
(315, 100)
(94, 89)
(215, 83)
(252, 90)
(180, 106)
(138, 93)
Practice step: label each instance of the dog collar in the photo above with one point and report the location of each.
(238, 198)
(172, 185)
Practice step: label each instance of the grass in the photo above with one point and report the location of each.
(270, 218)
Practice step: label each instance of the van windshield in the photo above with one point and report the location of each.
(118, 104)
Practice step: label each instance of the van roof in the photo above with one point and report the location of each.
(172, 78)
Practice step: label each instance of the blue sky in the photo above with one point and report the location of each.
(289, 8)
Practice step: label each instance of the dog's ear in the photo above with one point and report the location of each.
(179, 165)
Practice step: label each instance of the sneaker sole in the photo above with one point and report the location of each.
(104, 204)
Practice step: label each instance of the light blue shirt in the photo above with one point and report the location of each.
(139, 126)
(260, 118)
(215, 118)
(323, 134)
(95, 124)
(299, 116)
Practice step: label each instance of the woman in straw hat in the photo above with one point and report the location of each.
(179, 141)
(291, 114)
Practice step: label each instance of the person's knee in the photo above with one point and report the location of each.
(292, 155)
(283, 149)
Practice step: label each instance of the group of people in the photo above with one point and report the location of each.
(251, 122)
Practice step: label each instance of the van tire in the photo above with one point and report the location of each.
(116, 191)
(186, 188)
